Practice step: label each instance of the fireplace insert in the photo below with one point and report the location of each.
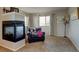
(13, 30)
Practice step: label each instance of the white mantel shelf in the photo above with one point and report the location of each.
(13, 16)
(10, 13)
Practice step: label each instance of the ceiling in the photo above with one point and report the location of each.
(40, 9)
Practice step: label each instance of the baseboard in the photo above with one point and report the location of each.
(12, 45)
(74, 43)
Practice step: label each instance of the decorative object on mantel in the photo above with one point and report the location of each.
(66, 20)
(11, 9)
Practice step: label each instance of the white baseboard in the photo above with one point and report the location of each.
(74, 43)
(11, 45)
(12, 48)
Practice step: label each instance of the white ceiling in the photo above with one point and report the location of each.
(40, 9)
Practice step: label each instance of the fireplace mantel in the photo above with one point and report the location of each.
(12, 16)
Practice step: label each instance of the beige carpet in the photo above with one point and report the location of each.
(51, 44)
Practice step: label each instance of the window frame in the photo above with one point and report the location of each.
(45, 20)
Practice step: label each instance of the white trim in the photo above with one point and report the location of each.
(74, 43)
(12, 45)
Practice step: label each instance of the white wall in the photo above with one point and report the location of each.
(73, 27)
(59, 23)
(36, 20)
(1, 12)
(31, 20)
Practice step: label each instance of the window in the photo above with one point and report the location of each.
(47, 20)
(26, 20)
(44, 20)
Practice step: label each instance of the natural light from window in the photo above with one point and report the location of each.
(26, 20)
(44, 20)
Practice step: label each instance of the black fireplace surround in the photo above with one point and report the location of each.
(13, 31)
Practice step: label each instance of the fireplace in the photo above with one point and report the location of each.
(13, 30)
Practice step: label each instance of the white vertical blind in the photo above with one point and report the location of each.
(47, 20)
(26, 20)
